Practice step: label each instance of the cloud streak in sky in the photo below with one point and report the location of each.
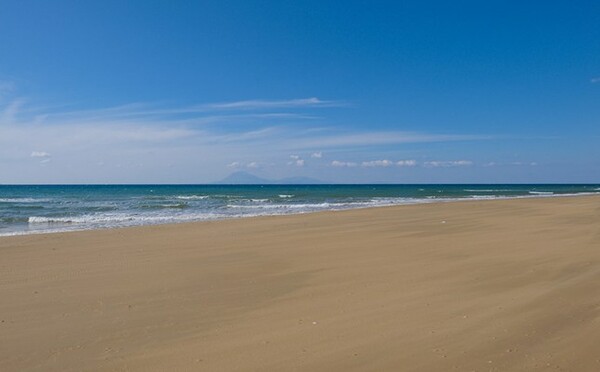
(446, 164)
(40, 154)
(377, 163)
(153, 140)
(342, 164)
(272, 104)
(376, 138)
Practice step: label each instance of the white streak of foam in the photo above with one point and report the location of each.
(22, 200)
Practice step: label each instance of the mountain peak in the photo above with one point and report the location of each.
(243, 178)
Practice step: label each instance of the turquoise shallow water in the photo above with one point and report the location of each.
(35, 209)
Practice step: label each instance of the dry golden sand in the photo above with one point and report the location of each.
(508, 285)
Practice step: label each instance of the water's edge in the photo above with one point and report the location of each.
(26, 210)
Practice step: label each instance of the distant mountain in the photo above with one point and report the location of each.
(245, 178)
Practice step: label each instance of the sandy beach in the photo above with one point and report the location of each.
(505, 285)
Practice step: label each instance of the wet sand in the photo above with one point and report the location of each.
(505, 285)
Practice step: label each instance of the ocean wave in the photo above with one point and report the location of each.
(165, 206)
(100, 208)
(47, 225)
(23, 200)
(56, 218)
(24, 207)
(75, 220)
(329, 205)
(173, 206)
(285, 196)
(490, 190)
(13, 219)
(192, 197)
(398, 200)
(125, 218)
(485, 197)
(280, 206)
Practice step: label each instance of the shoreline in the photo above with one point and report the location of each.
(501, 285)
(420, 202)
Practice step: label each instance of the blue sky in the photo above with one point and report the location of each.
(341, 91)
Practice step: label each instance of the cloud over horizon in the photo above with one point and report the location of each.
(156, 140)
(445, 164)
(39, 154)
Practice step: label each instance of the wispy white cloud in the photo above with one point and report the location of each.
(595, 80)
(521, 163)
(152, 140)
(377, 163)
(43, 156)
(379, 138)
(406, 163)
(514, 163)
(108, 133)
(40, 154)
(271, 104)
(130, 113)
(341, 164)
(200, 114)
(445, 164)
(9, 114)
(296, 160)
(142, 122)
(385, 163)
(240, 164)
(243, 136)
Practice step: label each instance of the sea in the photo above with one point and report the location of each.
(26, 209)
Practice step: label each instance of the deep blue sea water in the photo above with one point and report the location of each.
(35, 209)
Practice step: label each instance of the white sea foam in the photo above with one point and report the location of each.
(286, 196)
(485, 197)
(238, 207)
(23, 200)
(78, 220)
(192, 197)
(374, 202)
(488, 190)
(281, 206)
(178, 205)
(112, 219)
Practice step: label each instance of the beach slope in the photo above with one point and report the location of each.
(506, 285)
